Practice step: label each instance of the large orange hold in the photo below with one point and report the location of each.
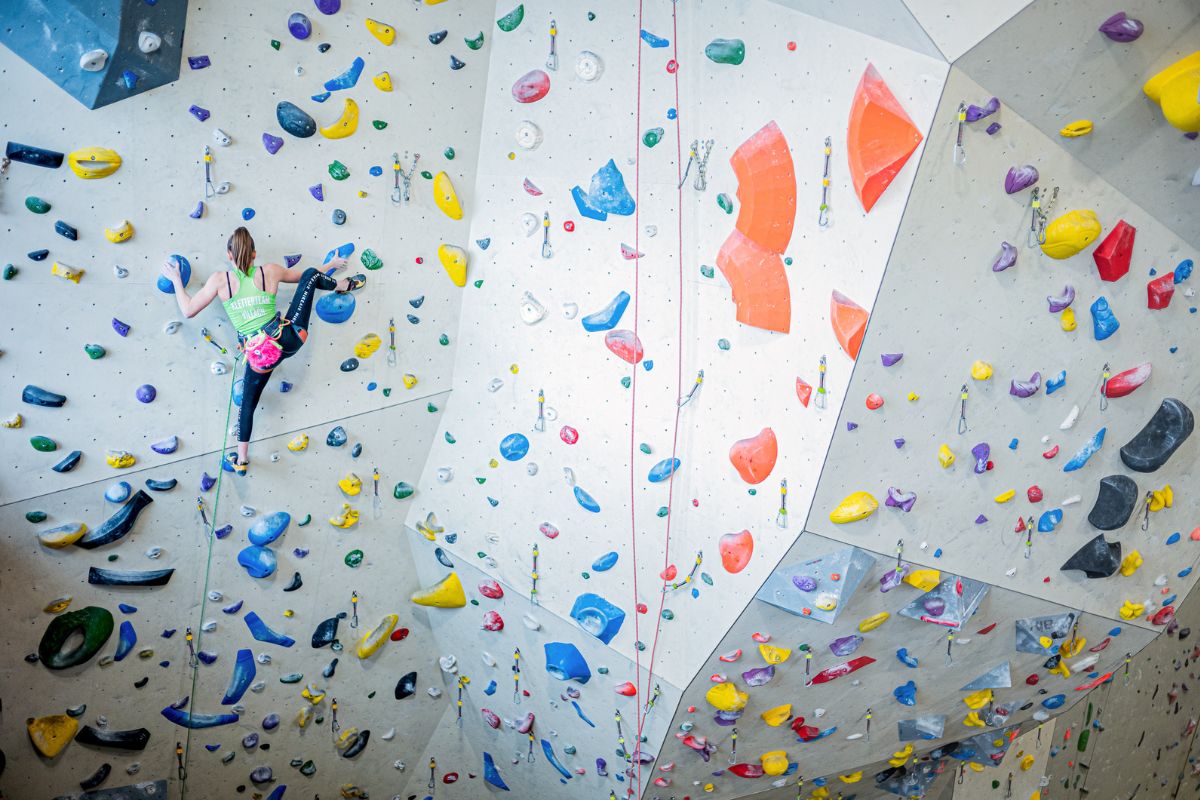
(750, 258)
(880, 139)
(736, 549)
(849, 321)
(754, 458)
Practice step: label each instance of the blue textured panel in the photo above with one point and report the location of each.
(52, 35)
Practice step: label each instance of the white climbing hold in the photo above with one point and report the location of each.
(1161, 580)
(588, 66)
(154, 552)
(247, 511)
(570, 310)
(1010, 572)
(494, 385)
(448, 663)
(530, 223)
(1196, 178)
(148, 41)
(531, 469)
(652, 231)
(853, 736)
(172, 327)
(529, 135)
(218, 367)
(435, 692)
(274, 457)
(1072, 500)
(221, 137)
(120, 271)
(1069, 422)
(215, 595)
(488, 659)
(209, 626)
(93, 60)
(531, 622)
(398, 764)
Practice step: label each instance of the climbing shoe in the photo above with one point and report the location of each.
(231, 464)
(355, 282)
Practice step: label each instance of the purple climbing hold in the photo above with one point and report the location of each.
(891, 359)
(976, 113)
(851, 426)
(805, 583)
(1063, 300)
(901, 500)
(199, 62)
(199, 211)
(292, 261)
(272, 143)
(1007, 257)
(328, 7)
(299, 26)
(207, 482)
(199, 113)
(898, 442)
(934, 606)
(1121, 28)
(844, 645)
(146, 393)
(318, 192)
(759, 676)
(981, 452)
(1026, 388)
(993, 129)
(1019, 178)
(981, 519)
(120, 327)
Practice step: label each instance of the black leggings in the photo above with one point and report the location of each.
(298, 313)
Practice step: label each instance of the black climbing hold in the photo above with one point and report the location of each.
(38, 255)
(118, 525)
(329, 670)
(1184, 633)
(325, 633)
(336, 437)
(36, 396)
(93, 622)
(456, 64)
(1169, 428)
(135, 739)
(295, 584)
(406, 686)
(338, 217)
(323, 47)
(141, 683)
(35, 156)
(356, 451)
(1052, 662)
(1114, 504)
(114, 577)
(1096, 559)
(349, 365)
(98, 777)
(295, 120)
(358, 744)
(161, 486)
(63, 229)
(69, 463)
(437, 37)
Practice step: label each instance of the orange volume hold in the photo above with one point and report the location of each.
(880, 139)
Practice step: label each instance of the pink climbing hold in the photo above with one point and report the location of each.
(736, 550)
(625, 345)
(531, 87)
(1114, 253)
(1160, 291)
(754, 458)
(492, 621)
(491, 589)
(568, 434)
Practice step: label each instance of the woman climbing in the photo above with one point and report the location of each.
(248, 294)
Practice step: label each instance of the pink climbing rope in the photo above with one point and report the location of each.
(678, 354)
(637, 206)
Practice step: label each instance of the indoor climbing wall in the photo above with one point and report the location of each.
(287, 614)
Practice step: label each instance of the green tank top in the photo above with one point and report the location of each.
(250, 307)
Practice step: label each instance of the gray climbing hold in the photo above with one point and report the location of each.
(1096, 559)
(1169, 428)
(1115, 503)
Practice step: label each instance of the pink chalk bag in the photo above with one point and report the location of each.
(262, 350)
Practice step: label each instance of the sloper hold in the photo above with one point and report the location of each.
(1154, 444)
(446, 593)
(1114, 253)
(1114, 504)
(1175, 89)
(118, 525)
(754, 458)
(50, 735)
(1096, 559)
(880, 139)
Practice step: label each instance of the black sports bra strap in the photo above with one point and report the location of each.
(228, 285)
(262, 271)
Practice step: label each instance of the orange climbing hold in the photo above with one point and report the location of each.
(803, 391)
(881, 138)
(754, 458)
(849, 321)
(750, 257)
(736, 549)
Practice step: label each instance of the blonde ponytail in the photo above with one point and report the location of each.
(241, 249)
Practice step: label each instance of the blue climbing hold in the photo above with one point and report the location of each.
(347, 79)
(118, 493)
(259, 562)
(335, 308)
(514, 447)
(128, 638)
(1173, 538)
(605, 562)
(584, 499)
(299, 25)
(269, 528)
(608, 317)
(606, 194)
(906, 694)
(1104, 321)
(1115, 631)
(597, 616)
(262, 633)
(663, 470)
(1049, 520)
(905, 659)
(1090, 447)
(1057, 382)
(185, 274)
(1183, 271)
(654, 41)
(491, 774)
(1183, 573)
(126, 608)
(566, 663)
(247, 213)
(1054, 701)
(294, 120)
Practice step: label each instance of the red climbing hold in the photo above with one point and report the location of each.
(1092, 684)
(1103, 644)
(399, 635)
(1160, 291)
(754, 458)
(736, 549)
(627, 689)
(984, 631)
(874, 401)
(803, 391)
(1051, 453)
(492, 621)
(450, 777)
(747, 770)
(1034, 493)
(669, 573)
(880, 139)
(1126, 382)
(1032, 680)
(1163, 615)
(568, 434)
(835, 672)
(491, 589)
(1113, 255)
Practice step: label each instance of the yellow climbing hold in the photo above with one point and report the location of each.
(344, 125)
(913, 397)
(1175, 89)
(367, 345)
(946, 456)
(977, 700)
(454, 261)
(63, 535)
(1132, 610)
(94, 162)
(774, 655)
(72, 274)
(447, 593)
(15, 421)
(383, 81)
(445, 196)
(1004, 497)
(819, 793)
(872, 622)
(1130, 563)
(1070, 233)
(1073, 130)
(369, 644)
(972, 720)
(1072, 647)
(304, 717)
(853, 777)
(50, 735)
(1062, 669)
(347, 519)
(981, 370)
(381, 31)
(58, 605)
(726, 697)
(120, 459)
(299, 443)
(774, 762)
(1162, 498)
(121, 232)
(857, 506)
(778, 715)
(350, 485)
(900, 757)
(826, 601)
(924, 579)
(409, 379)
(1067, 320)
(978, 767)
(312, 694)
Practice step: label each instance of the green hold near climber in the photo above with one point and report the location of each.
(265, 337)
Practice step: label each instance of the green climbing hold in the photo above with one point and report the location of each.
(450, 439)
(10, 272)
(113, 557)
(652, 137)
(378, 124)
(479, 284)
(481, 481)
(371, 696)
(787, 261)
(480, 554)
(43, 444)
(354, 558)
(668, 614)
(426, 174)
(403, 490)
(722, 344)
(591, 16)
(662, 511)
(339, 171)
(704, 576)
(586, 575)
(726, 51)
(94, 351)
(510, 21)
(443, 340)
(307, 519)
(309, 769)
(645, 448)
(640, 645)
(725, 203)
(474, 602)
(36, 204)
(35, 516)
(602, 670)
(626, 382)
(431, 408)
(752, 492)
(475, 43)
(370, 260)
(387, 391)
(707, 271)
(449, 153)
(93, 622)
(275, 43)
